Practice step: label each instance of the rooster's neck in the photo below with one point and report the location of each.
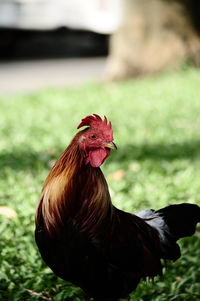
(75, 191)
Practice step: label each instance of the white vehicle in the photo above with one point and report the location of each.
(101, 16)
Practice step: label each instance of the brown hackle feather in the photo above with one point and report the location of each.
(65, 194)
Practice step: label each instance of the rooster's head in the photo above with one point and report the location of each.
(96, 140)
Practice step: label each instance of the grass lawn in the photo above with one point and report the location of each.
(156, 124)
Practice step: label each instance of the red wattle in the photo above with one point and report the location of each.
(98, 156)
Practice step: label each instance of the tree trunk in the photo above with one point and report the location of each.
(155, 35)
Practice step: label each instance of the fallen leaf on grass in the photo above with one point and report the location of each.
(117, 175)
(51, 163)
(8, 212)
(42, 295)
(134, 166)
(51, 151)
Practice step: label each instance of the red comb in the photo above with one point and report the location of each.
(95, 121)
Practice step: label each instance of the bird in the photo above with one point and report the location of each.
(85, 239)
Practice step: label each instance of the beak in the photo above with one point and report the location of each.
(110, 145)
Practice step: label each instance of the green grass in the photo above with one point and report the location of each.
(156, 124)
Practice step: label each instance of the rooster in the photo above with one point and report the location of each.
(87, 241)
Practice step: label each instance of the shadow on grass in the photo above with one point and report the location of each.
(27, 159)
(160, 151)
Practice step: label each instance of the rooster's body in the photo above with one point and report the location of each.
(84, 239)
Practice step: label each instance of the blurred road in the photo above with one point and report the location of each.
(29, 76)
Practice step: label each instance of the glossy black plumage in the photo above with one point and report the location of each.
(110, 266)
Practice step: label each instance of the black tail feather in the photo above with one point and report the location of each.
(181, 219)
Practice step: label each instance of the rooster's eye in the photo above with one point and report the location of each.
(93, 137)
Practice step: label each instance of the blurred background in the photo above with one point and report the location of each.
(135, 61)
(54, 42)
(40, 39)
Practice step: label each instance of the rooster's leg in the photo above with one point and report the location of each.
(126, 299)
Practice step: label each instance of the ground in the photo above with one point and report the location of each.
(31, 75)
(156, 128)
